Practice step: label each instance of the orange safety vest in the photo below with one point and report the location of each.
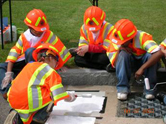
(22, 45)
(163, 43)
(141, 44)
(86, 37)
(32, 89)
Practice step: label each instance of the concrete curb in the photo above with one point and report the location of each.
(85, 76)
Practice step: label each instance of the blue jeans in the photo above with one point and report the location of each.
(17, 67)
(128, 63)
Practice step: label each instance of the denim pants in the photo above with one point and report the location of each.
(128, 63)
(17, 67)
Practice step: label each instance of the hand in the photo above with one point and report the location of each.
(72, 96)
(7, 79)
(139, 73)
(82, 50)
(63, 69)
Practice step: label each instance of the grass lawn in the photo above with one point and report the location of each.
(65, 17)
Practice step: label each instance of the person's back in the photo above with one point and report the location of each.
(25, 86)
(38, 84)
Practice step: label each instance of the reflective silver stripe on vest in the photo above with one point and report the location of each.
(110, 55)
(13, 54)
(106, 30)
(58, 91)
(65, 52)
(85, 31)
(137, 40)
(20, 42)
(52, 39)
(81, 41)
(149, 45)
(106, 43)
(36, 83)
(24, 116)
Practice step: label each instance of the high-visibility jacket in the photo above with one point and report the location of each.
(86, 37)
(17, 52)
(163, 43)
(34, 88)
(141, 44)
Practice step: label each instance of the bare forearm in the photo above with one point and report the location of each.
(153, 60)
(10, 66)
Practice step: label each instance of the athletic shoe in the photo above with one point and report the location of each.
(13, 118)
(149, 96)
(122, 96)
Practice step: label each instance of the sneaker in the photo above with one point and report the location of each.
(161, 96)
(122, 96)
(149, 96)
(13, 118)
(109, 68)
(50, 107)
(73, 51)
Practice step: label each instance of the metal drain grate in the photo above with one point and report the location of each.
(138, 107)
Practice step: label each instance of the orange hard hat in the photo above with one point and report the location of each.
(50, 49)
(36, 19)
(123, 31)
(93, 18)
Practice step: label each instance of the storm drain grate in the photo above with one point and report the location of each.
(138, 107)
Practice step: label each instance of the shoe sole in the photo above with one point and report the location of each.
(50, 107)
(10, 118)
(48, 110)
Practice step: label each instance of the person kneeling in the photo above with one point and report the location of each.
(37, 87)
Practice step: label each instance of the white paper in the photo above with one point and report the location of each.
(80, 105)
(70, 120)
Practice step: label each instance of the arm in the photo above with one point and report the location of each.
(83, 45)
(57, 89)
(10, 66)
(153, 60)
(151, 47)
(11, 59)
(90, 48)
(112, 53)
(96, 49)
(8, 75)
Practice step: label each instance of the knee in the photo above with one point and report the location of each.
(123, 56)
(5, 96)
(3, 65)
(148, 55)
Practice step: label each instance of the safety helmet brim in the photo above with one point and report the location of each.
(96, 15)
(37, 20)
(40, 29)
(123, 31)
(49, 47)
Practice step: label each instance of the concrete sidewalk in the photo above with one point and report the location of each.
(90, 79)
(110, 115)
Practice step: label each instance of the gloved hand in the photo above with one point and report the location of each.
(72, 96)
(7, 79)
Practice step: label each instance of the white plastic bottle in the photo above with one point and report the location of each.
(147, 85)
(14, 31)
